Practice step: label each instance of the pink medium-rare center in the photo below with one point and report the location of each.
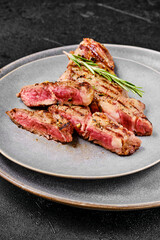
(48, 93)
(51, 126)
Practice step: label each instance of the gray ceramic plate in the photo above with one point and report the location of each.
(137, 191)
(86, 160)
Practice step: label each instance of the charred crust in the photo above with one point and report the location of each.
(64, 126)
(85, 84)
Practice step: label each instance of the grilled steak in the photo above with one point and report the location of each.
(108, 96)
(77, 115)
(51, 126)
(124, 112)
(101, 86)
(95, 51)
(111, 135)
(99, 83)
(99, 129)
(75, 96)
(47, 93)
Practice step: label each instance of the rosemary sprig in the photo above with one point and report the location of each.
(93, 68)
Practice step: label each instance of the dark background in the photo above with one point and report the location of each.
(30, 26)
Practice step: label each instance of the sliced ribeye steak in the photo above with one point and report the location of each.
(47, 93)
(51, 126)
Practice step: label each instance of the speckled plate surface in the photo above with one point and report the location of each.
(137, 191)
(86, 160)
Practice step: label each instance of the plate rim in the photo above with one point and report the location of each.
(35, 191)
(73, 203)
(48, 51)
(68, 175)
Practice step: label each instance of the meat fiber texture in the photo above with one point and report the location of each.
(51, 126)
(111, 135)
(47, 93)
(108, 96)
(99, 129)
(77, 115)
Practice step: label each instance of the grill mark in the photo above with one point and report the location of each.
(111, 94)
(109, 129)
(111, 125)
(134, 111)
(122, 106)
(102, 60)
(93, 47)
(112, 85)
(69, 110)
(64, 125)
(75, 69)
(83, 47)
(79, 112)
(109, 91)
(107, 84)
(113, 88)
(133, 105)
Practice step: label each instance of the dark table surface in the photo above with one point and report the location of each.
(27, 27)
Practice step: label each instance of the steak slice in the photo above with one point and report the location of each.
(96, 51)
(48, 93)
(99, 129)
(124, 111)
(51, 126)
(77, 115)
(111, 135)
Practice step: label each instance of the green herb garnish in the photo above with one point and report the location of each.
(93, 68)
